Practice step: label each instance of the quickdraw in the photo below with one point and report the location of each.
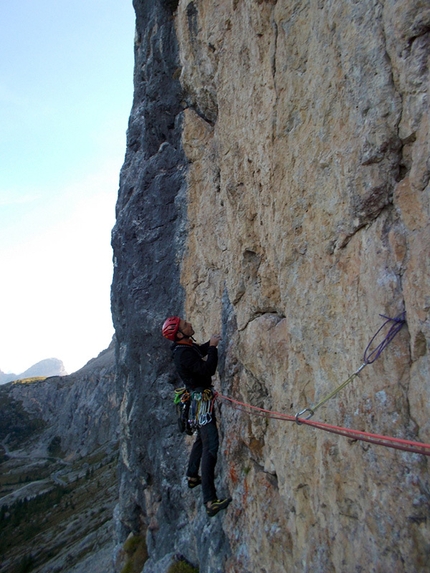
(369, 357)
(193, 409)
(202, 404)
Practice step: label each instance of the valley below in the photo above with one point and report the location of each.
(56, 515)
(58, 471)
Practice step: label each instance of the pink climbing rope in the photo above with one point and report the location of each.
(369, 357)
(378, 439)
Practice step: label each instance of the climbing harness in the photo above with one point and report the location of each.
(369, 357)
(194, 409)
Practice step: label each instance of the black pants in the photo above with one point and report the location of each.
(204, 452)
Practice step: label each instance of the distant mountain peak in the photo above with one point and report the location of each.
(46, 367)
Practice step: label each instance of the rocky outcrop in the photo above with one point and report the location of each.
(276, 189)
(79, 412)
(149, 243)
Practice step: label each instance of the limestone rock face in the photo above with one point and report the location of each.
(288, 205)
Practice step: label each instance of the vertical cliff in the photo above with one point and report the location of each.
(276, 189)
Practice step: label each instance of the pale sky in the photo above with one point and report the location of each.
(66, 87)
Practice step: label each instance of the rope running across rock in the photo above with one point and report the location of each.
(369, 357)
(387, 441)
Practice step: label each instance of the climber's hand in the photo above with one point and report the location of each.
(215, 338)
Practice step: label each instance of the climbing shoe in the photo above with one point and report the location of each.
(194, 481)
(213, 507)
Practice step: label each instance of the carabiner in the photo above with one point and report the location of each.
(311, 413)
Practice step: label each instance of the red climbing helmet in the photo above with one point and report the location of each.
(171, 327)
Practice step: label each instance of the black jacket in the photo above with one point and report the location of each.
(193, 370)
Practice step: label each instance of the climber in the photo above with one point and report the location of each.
(196, 364)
